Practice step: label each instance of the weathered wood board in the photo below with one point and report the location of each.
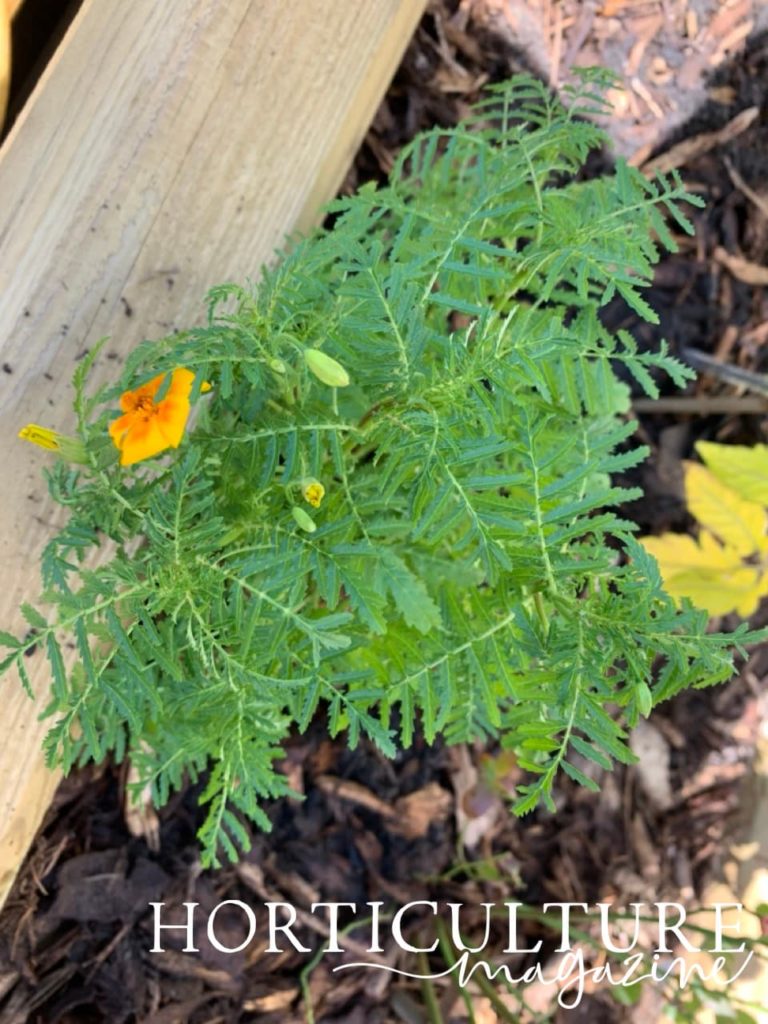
(167, 148)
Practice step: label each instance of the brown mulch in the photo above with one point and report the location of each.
(433, 824)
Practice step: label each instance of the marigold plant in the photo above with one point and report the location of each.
(432, 379)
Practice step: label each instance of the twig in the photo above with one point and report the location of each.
(742, 186)
(725, 371)
(690, 148)
(743, 270)
(704, 405)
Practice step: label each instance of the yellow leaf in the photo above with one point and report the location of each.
(679, 552)
(744, 470)
(713, 577)
(721, 593)
(740, 524)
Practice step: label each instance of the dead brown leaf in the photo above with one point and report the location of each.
(743, 270)
(418, 810)
(355, 793)
(477, 807)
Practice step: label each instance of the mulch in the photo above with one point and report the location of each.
(433, 824)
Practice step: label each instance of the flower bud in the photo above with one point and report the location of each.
(326, 369)
(644, 699)
(303, 520)
(312, 491)
(69, 448)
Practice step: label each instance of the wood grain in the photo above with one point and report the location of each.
(167, 148)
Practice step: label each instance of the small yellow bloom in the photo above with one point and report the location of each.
(68, 447)
(147, 427)
(312, 491)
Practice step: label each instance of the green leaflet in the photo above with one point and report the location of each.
(409, 594)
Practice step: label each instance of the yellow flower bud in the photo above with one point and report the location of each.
(326, 369)
(305, 521)
(70, 448)
(312, 491)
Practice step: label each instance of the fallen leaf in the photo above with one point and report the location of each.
(743, 270)
(740, 524)
(355, 793)
(743, 469)
(711, 576)
(416, 811)
(477, 806)
(718, 577)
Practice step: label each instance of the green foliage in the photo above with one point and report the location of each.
(467, 569)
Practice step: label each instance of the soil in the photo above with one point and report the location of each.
(76, 930)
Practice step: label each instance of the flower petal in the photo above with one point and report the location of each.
(171, 416)
(118, 427)
(142, 441)
(181, 384)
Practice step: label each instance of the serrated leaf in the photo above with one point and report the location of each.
(409, 594)
(33, 616)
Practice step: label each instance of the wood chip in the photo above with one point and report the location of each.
(355, 793)
(743, 187)
(280, 1000)
(646, 96)
(417, 811)
(743, 270)
(731, 42)
(694, 147)
(7, 981)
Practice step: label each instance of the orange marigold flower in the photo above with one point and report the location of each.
(147, 427)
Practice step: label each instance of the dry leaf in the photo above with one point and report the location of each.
(477, 807)
(743, 270)
(418, 810)
(355, 793)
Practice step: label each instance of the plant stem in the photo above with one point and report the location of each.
(541, 611)
(428, 991)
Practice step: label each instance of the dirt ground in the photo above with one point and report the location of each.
(75, 931)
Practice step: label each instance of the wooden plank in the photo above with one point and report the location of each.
(168, 147)
(6, 13)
